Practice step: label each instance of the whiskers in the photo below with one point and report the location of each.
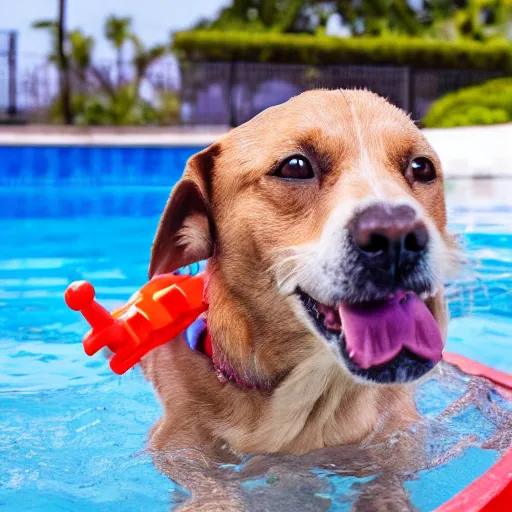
(290, 263)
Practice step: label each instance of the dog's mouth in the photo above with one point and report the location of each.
(386, 341)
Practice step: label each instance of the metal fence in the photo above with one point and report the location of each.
(221, 93)
(232, 93)
(8, 106)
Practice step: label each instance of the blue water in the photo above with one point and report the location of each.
(97, 165)
(72, 433)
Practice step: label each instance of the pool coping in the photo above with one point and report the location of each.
(172, 136)
(469, 152)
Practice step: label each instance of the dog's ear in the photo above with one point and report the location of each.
(185, 232)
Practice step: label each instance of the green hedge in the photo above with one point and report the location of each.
(206, 45)
(488, 103)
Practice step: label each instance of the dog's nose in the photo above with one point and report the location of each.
(389, 235)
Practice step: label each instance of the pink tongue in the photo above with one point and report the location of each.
(376, 332)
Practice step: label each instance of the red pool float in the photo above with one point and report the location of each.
(169, 304)
(491, 492)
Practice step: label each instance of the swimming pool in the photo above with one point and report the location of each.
(72, 433)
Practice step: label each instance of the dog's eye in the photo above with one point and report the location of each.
(295, 168)
(421, 169)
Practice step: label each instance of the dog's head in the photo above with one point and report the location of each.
(324, 221)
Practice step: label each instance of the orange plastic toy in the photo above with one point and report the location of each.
(158, 312)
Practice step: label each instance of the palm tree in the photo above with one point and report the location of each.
(52, 28)
(144, 58)
(59, 57)
(118, 31)
(97, 93)
(65, 86)
(80, 51)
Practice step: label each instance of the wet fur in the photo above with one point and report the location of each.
(262, 237)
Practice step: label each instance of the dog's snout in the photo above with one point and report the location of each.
(388, 235)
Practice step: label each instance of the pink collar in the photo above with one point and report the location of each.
(201, 340)
(198, 337)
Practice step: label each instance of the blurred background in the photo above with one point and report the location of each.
(220, 62)
(101, 104)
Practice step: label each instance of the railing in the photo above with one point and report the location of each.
(222, 93)
(8, 82)
(232, 93)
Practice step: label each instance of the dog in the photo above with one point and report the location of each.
(324, 224)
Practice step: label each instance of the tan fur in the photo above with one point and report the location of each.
(227, 208)
(193, 236)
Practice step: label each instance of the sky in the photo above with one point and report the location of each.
(153, 20)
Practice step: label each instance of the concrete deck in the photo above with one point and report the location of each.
(476, 151)
(479, 151)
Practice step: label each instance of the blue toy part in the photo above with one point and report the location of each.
(194, 334)
(191, 270)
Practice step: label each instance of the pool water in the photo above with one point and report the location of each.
(72, 433)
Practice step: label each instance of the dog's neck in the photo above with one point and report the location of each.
(256, 341)
(225, 372)
(199, 338)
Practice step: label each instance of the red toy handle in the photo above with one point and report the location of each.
(157, 313)
(80, 297)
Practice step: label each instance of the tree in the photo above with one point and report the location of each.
(59, 57)
(65, 87)
(80, 51)
(379, 17)
(52, 27)
(274, 15)
(118, 31)
(472, 19)
(95, 96)
(144, 57)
